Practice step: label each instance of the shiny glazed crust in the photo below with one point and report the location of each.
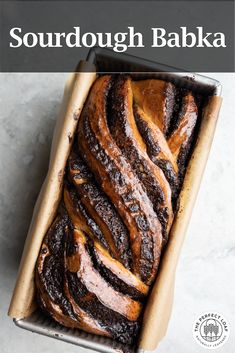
(100, 256)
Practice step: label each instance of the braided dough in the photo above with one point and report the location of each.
(101, 254)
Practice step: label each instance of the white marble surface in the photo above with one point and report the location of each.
(205, 275)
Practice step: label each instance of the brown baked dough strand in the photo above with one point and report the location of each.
(125, 132)
(80, 218)
(156, 98)
(101, 210)
(180, 140)
(120, 271)
(81, 263)
(157, 147)
(87, 322)
(116, 178)
(51, 291)
(83, 320)
(116, 267)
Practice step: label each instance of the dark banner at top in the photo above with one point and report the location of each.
(53, 36)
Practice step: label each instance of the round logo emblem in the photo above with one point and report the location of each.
(211, 330)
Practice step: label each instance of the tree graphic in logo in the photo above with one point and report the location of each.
(211, 330)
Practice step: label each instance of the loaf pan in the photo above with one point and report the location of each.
(158, 308)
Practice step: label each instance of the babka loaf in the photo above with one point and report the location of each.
(100, 256)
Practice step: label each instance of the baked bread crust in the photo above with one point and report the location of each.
(102, 252)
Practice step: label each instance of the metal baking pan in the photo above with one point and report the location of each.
(106, 61)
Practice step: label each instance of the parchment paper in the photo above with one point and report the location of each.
(159, 305)
(76, 91)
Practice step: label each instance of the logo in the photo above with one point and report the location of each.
(211, 330)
